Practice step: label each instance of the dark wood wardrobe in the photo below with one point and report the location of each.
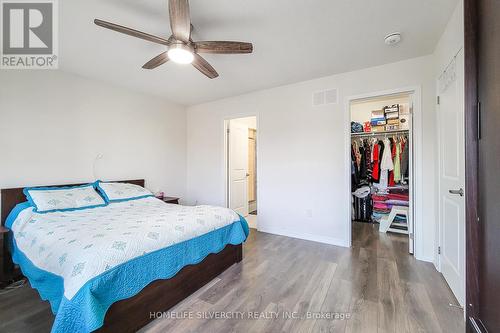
(482, 127)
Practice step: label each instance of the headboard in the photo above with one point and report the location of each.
(13, 196)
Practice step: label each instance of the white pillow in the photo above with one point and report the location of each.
(116, 192)
(51, 199)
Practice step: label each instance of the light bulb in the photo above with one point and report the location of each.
(180, 53)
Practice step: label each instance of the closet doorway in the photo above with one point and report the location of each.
(381, 158)
(241, 167)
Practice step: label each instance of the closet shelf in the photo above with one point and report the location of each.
(363, 134)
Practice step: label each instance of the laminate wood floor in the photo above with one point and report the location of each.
(373, 287)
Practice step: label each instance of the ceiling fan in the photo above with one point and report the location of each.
(180, 47)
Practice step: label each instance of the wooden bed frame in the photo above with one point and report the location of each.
(131, 314)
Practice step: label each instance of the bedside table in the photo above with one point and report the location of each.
(4, 265)
(171, 200)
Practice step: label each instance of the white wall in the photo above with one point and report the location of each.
(53, 125)
(451, 41)
(302, 182)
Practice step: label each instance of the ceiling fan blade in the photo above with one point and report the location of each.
(180, 22)
(156, 61)
(203, 66)
(223, 47)
(132, 32)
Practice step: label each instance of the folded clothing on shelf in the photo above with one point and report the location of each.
(379, 197)
(398, 203)
(384, 201)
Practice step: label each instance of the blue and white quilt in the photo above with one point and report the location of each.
(83, 261)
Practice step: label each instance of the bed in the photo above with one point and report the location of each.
(109, 268)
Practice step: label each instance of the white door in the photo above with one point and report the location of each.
(452, 176)
(238, 167)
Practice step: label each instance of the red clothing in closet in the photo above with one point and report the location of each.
(376, 167)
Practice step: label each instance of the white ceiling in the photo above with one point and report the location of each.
(294, 40)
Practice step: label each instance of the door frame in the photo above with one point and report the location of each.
(225, 154)
(416, 167)
(472, 227)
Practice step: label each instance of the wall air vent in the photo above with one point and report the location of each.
(325, 97)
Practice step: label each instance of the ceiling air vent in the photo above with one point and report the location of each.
(325, 97)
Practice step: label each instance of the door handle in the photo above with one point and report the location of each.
(460, 192)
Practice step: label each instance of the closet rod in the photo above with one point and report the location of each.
(358, 135)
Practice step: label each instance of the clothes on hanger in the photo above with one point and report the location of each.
(354, 170)
(384, 162)
(380, 162)
(375, 161)
(405, 160)
(397, 163)
(382, 165)
(362, 163)
(387, 163)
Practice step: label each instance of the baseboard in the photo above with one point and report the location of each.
(427, 259)
(305, 236)
(436, 265)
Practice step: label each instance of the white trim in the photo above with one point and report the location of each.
(427, 259)
(417, 171)
(305, 236)
(437, 259)
(224, 162)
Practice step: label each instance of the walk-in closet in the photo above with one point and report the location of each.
(381, 160)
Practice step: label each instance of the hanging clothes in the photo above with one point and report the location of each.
(376, 163)
(354, 170)
(384, 179)
(380, 162)
(397, 163)
(368, 162)
(380, 165)
(386, 163)
(362, 163)
(356, 152)
(405, 160)
(393, 155)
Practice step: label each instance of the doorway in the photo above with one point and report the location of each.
(241, 167)
(381, 157)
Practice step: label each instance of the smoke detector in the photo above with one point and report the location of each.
(393, 38)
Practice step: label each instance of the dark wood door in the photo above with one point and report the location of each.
(488, 94)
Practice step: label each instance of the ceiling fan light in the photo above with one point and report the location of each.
(180, 54)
